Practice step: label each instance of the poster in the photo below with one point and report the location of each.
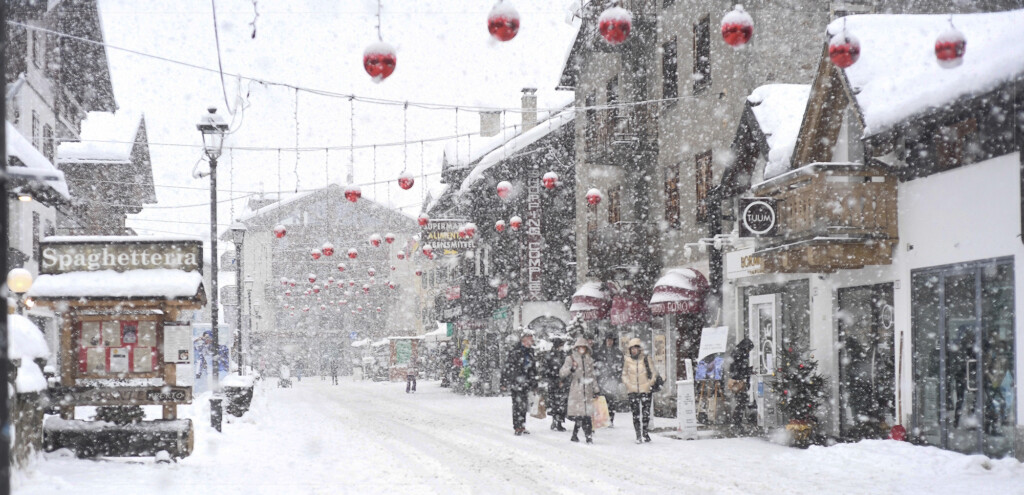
(713, 340)
(119, 360)
(403, 351)
(177, 343)
(660, 354)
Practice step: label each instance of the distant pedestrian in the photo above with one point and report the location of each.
(334, 371)
(410, 378)
(578, 368)
(298, 370)
(558, 388)
(608, 359)
(639, 376)
(520, 378)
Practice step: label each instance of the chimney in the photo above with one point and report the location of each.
(490, 123)
(529, 108)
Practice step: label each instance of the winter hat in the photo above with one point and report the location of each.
(635, 342)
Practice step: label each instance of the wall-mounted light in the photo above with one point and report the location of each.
(24, 197)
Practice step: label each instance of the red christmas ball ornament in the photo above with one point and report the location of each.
(419, 272)
(323, 307)
(341, 267)
(391, 285)
(375, 240)
(898, 433)
(405, 181)
(737, 27)
(353, 193)
(550, 180)
(312, 278)
(373, 281)
(359, 309)
(305, 308)
(366, 288)
(379, 310)
(499, 225)
(327, 286)
(284, 280)
(504, 189)
(280, 231)
(949, 48)
(351, 283)
(393, 267)
(389, 238)
(615, 24)
(470, 229)
(371, 272)
(307, 292)
(328, 249)
(401, 256)
(844, 50)
(594, 197)
(291, 283)
(353, 253)
(330, 280)
(287, 293)
(316, 290)
(342, 302)
(341, 285)
(423, 219)
(515, 223)
(503, 21)
(428, 250)
(315, 253)
(462, 232)
(379, 60)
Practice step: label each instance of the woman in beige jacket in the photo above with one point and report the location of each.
(638, 374)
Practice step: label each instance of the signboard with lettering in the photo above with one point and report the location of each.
(758, 217)
(534, 240)
(178, 343)
(116, 396)
(742, 263)
(443, 236)
(77, 256)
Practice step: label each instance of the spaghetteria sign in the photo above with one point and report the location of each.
(95, 255)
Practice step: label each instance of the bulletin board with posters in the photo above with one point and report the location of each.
(121, 346)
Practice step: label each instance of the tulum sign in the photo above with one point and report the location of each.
(758, 217)
(59, 256)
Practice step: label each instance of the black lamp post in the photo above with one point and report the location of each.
(238, 237)
(248, 328)
(213, 127)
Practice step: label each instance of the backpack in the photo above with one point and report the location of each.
(659, 381)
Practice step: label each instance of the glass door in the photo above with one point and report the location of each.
(963, 337)
(866, 361)
(763, 332)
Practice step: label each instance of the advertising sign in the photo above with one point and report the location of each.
(758, 217)
(712, 341)
(85, 396)
(61, 256)
(534, 240)
(443, 236)
(178, 343)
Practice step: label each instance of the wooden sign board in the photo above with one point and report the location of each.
(84, 256)
(122, 396)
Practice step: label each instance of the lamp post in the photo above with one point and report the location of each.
(19, 280)
(248, 298)
(238, 237)
(213, 128)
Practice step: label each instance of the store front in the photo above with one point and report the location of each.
(867, 360)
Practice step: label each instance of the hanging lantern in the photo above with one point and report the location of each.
(504, 189)
(423, 219)
(503, 21)
(470, 229)
(284, 280)
(352, 253)
(366, 289)
(737, 27)
(615, 24)
(419, 272)
(375, 240)
(379, 60)
(844, 49)
(428, 250)
(353, 193)
(401, 255)
(515, 223)
(328, 249)
(371, 272)
(391, 285)
(499, 225)
(315, 253)
(312, 278)
(550, 180)
(389, 238)
(280, 231)
(594, 196)
(950, 47)
(341, 267)
(405, 181)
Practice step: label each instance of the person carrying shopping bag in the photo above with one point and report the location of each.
(578, 368)
(639, 376)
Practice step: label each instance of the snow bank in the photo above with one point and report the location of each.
(898, 75)
(779, 109)
(238, 381)
(161, 282)
(26, 343)
(18, 146)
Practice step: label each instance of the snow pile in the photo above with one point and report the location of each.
(898, 75)
(162, 282)
(238, 381)
(779, 109)
(37, 164)
(27, 344)
(106, 138)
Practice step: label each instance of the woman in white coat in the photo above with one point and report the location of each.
(579, 369)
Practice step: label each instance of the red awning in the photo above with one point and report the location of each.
(627, 308)
(680, 290)
(590, 302)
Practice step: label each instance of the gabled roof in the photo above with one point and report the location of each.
(113, 140)
(35, 167)
(85, 68)
(269, 214)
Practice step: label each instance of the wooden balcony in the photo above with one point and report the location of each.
(832, 216)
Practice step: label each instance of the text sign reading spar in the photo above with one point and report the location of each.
(64, 257)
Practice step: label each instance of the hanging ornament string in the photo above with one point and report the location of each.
(350, 173)
(327, 167)
(379, 36)
(423, 178)
(231, 181)
(296, 116)
(405, 138)
(374, 172)
(456, 135)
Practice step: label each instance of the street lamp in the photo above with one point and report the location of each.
(19, 280)
(213, 127)
(248, 298)
(238, 237)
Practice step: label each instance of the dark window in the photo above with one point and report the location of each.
(949, 143)
(38, 49)
(48, 144)
(36, 131)
(669, 70)
(672, 196)
(667, 3)
(702, 178)
(615, 205)
(36, 226)
(702, 55)
(590, 129)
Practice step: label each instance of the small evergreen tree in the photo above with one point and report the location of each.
(799, 388)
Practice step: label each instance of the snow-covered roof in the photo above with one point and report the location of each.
(26, 342)
(273, 206)
(779, 109)
(106, 138)
(897, 75)
(37, 165)
(155, 283)
(516, 144)
(123, 238)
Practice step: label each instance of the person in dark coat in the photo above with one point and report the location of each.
(334, 371)
(520, 378)
(739, 372)
(608, 364)
(558, 388)
(578, 369)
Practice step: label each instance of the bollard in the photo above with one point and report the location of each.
(216, 412)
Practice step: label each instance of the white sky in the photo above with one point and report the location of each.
(445, 55)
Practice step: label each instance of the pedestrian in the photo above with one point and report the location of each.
(608, 359)
(520, 378)
(334, 371)
(579, 369)
(410, 378)
(298, 370)
(558, 388)
(639, 376)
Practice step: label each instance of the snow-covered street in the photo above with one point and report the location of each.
(366, 437)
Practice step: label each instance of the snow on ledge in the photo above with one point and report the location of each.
(27, 344)
(155, 283)
(779, 109)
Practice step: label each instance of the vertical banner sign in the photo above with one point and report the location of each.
(534, 241)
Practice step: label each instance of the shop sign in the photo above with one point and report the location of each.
(501, 313)
(78, 256)
(84, 396)
(534, 240)
(443, 236)
(502, 291)
(758, 217)
(453, 293)
(742, 263)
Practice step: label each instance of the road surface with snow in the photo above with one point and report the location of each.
(365, 437)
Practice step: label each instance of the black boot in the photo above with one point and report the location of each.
(588, 430)
(647, 438)
(575, 432)
(558, 423)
